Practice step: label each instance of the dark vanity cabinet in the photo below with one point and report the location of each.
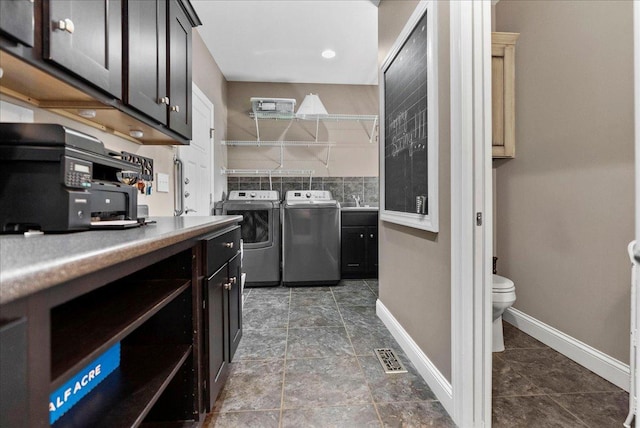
(222, 307)
(359, 245)
(159, 61)
(85, 37)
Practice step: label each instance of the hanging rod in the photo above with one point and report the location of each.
(225, 171)
(278, 143)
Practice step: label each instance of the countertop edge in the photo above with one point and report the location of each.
(20, 284)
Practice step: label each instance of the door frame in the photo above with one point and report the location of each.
(471, 194)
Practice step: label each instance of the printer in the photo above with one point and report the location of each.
(56, 179)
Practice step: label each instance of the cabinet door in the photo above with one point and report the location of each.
(215, 322)
(353, 250)
(147, 57)
(372, 250)
(14, 393)
(85, 37)
(16, 20)
(179, 70)
(234, 300)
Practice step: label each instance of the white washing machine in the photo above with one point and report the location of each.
(310, 238)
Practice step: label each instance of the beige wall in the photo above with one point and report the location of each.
(415, 266)
(208, 77)
(565, 205)
(352, 156)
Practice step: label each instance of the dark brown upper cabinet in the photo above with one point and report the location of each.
(85, 37)
(147, 58)
(17, 20)
(159, 61)
(179, 70)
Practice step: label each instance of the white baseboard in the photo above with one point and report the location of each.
(440, 386)
(598, 362)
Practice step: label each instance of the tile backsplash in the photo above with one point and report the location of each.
(343, 189)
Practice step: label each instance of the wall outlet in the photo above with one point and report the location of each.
(162, 183)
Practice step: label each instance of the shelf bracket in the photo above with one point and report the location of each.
(373, 130)
(255, 118)
(326, 162)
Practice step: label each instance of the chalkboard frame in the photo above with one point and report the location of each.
(429, 219)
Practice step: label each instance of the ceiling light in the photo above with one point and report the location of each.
(136, 133)
(311, 106)
(328, 54)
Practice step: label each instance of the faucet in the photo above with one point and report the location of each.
(357, 199)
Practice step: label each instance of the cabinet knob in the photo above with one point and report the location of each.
(190, 210)
(164, 100)
(233, 280)
(66, 25)
(228, 244)
(371, 236)
(187, 194)
(186, 181)
(227, 285)
(361, 235)
(175, 109)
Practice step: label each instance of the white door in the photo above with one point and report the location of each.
(197, 159)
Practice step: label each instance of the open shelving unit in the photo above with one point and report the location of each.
(150, 313)
(315, 143)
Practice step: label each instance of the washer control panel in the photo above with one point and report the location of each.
(248, 195)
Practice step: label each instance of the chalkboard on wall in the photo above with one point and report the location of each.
(408, 152)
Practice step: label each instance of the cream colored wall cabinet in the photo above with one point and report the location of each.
(503, 47)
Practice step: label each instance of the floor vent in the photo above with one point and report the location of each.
(389, 360)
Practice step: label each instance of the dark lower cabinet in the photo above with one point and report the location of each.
(359, 245)
(222, 309)
(234, 303)
(13, 373)
(216, 350)
(85, 37)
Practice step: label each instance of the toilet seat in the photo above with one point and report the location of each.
(502, 285)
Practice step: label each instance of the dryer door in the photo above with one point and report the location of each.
(257, 225)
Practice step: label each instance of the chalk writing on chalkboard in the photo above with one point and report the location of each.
(405, 139)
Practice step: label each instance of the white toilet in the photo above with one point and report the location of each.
(503, 296)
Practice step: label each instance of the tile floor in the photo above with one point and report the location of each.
(534, 386)
(306, 360)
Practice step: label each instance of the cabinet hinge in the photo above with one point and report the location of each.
(478, 219)
(211, 131)
(204, 304)
(205, 385)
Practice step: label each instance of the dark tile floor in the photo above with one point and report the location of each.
(535, 386)
(306, 360)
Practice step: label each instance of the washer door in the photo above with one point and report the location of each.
(257, 227)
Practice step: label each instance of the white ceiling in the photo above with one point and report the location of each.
(281, 40)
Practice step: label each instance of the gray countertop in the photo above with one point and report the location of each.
(31, 264)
